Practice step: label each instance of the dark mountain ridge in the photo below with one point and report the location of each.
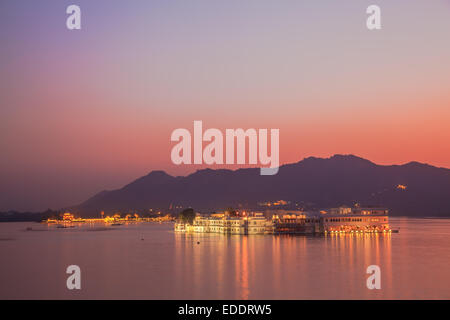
(313, 183)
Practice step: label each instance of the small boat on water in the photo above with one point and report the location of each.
(62, 226)
(116, 224)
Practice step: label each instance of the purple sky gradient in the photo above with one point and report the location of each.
(82, 111)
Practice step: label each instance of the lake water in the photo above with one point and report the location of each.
(150, 261)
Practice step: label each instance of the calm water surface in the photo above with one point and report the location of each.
(150, 261)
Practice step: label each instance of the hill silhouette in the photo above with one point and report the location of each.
(312, 183)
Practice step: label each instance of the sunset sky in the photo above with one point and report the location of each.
(92, 109)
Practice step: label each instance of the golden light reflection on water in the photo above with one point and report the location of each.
(246, 267)
(358, 251)
(168, 265)
(242, 268)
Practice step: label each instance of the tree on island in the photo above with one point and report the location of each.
(231, 212)
(187, 215)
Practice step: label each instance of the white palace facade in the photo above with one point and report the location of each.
(334, 220)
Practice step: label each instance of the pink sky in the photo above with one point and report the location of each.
(83, 111)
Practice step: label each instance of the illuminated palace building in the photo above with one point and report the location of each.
(252, 223)
(334, 220)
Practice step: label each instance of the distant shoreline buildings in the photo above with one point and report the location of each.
(69, 218)
(333, 220)
(272, 221)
